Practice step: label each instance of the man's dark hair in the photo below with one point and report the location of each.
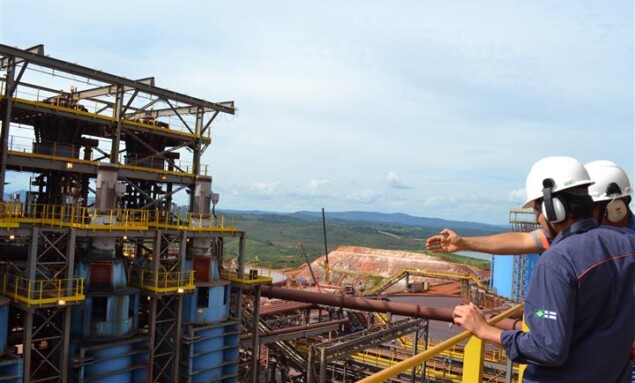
(578, 206)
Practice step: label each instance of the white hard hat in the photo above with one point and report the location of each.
(565, 172)
(611, 181)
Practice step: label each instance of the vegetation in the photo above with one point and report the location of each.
(273, 239)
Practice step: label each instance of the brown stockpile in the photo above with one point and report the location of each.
(353, 265)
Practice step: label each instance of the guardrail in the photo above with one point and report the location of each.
(12, 214)
(245, 278)
(473, 362)
(37, 292)
(161, 282)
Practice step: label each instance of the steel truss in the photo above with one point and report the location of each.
(46, 327)
(351, 344)
(165, 311)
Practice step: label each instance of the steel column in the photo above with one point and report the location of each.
(114, 151)
(6, 123)
(66, 327)
(255, 345)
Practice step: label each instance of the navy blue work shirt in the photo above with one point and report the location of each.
(580, 308)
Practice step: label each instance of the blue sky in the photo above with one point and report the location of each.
(433, 109)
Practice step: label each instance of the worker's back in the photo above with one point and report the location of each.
(595, 312)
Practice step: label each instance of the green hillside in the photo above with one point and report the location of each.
(273, 239)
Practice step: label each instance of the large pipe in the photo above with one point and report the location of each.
(364, 304)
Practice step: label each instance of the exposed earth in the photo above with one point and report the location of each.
(365, 268)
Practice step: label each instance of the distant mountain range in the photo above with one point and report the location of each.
(396, 219)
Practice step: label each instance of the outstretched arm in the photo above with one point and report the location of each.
(513, 243)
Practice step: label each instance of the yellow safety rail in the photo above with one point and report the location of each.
(193, 222)
(496, 355)
(161, 282)
(245, 279)
(83, 217)
(472, 363)
(37, 292)
(434, 368)
(89, 218)
(9, 212)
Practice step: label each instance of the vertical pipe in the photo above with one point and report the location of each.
(30, 271)
(179, 309)
(255, 343)
(70, 261)
(26, 344)
(66, 329)
(241, 253)
(177, 339)
(424, 379)
(310, 368)
(196, 165)
(152, 325)
(415, 347)
(322, 365)
(6, 122)
(327, 274)
(114, 151)
(28, 320)
(509, 370)
(66, 337)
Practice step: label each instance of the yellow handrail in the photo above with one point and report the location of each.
(12, 214)
(43, 291)
(409, 363)
(245, 279)
(161, 282)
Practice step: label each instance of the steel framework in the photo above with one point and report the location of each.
(141, 131)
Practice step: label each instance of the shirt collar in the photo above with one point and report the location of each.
(577, 228)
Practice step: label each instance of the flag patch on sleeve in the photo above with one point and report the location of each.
(545, 314)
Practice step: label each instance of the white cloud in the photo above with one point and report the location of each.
(395, 181)
(425, 96)
(264, 188)
(318, 185)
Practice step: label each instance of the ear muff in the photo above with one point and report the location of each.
(616, 210)
(552, 207)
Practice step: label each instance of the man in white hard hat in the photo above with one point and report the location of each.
(611, 192)
(580, 308)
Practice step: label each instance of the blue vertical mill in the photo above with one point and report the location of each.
(103, 278)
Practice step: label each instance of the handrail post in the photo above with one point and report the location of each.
(473, 358)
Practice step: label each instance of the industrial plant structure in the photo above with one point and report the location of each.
(106, 279)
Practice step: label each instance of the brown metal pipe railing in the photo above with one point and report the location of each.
(364, 304)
